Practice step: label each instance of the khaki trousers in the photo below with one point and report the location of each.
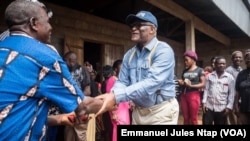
(164, 113)
(91, 129)
(82, 131)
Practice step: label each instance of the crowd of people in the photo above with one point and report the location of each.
(139, 89)
(219, 89)
(44, 79)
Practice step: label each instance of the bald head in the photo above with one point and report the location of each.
(28, 17)
(19, 12)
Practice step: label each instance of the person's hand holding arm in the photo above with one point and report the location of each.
(61, 119)
(180, 82)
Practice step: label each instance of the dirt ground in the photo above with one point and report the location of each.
(180, 121)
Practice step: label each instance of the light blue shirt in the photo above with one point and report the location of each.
(139, 80)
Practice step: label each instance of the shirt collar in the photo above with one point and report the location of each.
(151, 44)
(26, 35)
(20, 34)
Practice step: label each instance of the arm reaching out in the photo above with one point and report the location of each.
(108, 103)
(89, 105)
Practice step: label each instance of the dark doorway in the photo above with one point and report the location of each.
(92, 54)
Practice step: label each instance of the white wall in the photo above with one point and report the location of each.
(237, 12)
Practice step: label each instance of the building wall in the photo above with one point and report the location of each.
(116, 35)
(72, 28)
(208, 50)
(68, 23)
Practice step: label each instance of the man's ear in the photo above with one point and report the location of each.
(152, 30)
(33, 23)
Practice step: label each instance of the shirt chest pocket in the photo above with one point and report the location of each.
(144, 68)
(132, 72)
(139, 71)
(225, 88)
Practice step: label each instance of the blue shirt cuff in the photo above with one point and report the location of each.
(120, 96)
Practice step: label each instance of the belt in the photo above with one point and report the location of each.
(148, 110)
(168, 99)
(160, 98)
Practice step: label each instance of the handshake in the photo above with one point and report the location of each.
(89, 105)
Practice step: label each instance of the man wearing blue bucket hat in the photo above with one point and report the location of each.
(147, 75)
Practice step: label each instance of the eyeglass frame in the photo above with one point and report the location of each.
(138, 25)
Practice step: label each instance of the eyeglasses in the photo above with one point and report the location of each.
(139, 25)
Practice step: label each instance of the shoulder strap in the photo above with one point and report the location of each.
(132, 55)
(149, 56)
(151, 53)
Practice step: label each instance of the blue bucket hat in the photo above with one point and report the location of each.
(142, 15)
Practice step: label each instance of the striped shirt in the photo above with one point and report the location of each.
(219, 92)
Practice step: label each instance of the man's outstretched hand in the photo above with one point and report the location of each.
(109, 103)
(88, 105)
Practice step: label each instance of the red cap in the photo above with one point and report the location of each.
(191, 54)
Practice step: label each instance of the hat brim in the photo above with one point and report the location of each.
(132, 18)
